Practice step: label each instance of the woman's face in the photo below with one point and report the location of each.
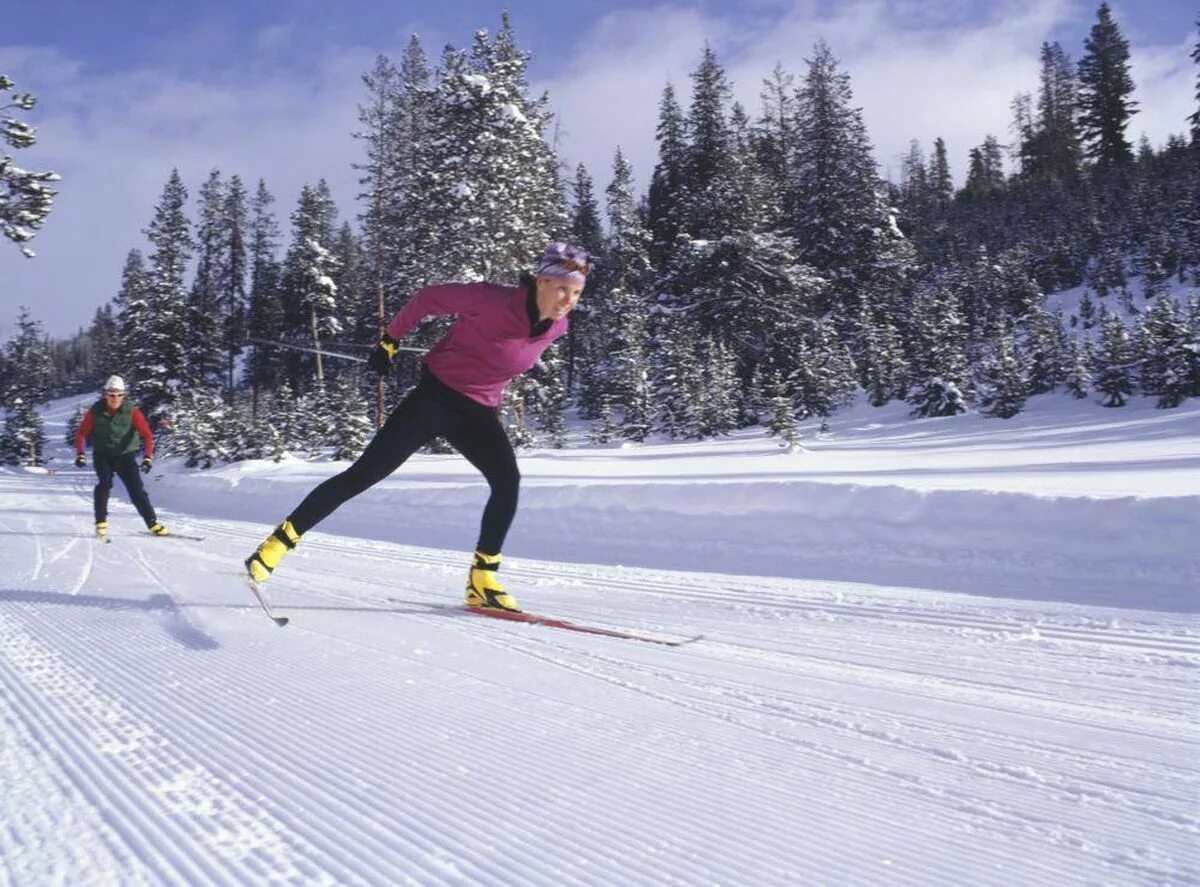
(556, 297)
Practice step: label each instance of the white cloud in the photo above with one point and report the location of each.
(918, 70)
(609, 95)
(115, 138)
(1165, 78)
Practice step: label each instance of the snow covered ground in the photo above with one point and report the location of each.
(946, 651)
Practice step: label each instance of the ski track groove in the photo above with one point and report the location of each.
(750, 835)
(479, 631)
(837, 654)
(63, 552)
(41, 562)
(43, 814)
(748, 697)
(1046, 829)
(38, 555)
(826, 637)
(893, 615)
(917, 682)
(46, 690)
(757, 643)
(500, 721)
(86, 572)
(320, 802)
(236, 762)
(735, 703)
(138, 558)
(1098, 686)
(993, 812)
(331, 798)
(838, 658)
(1066, 789)
(568, 575)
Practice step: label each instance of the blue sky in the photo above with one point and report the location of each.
(113, 35)
(269, 89)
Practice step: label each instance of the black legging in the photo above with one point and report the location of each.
(125, 467)
(430, 410)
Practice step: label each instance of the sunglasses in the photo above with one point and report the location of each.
(574, 265)
(114, 394)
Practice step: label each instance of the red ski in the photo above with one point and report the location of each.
(567, 625)
(553, 622)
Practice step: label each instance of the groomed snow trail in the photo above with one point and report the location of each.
(156, 728)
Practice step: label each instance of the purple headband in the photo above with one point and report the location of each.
(564, 261)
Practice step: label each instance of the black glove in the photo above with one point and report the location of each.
(385, 351)
(81, 461)
(146, 464)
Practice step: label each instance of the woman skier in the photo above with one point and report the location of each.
(114, 424)
(500, 332)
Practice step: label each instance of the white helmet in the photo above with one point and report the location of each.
(114, 383)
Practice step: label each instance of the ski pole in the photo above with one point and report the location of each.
(325, 353)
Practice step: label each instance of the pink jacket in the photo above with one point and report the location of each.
(488, 344)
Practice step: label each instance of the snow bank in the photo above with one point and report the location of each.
(1128, 552)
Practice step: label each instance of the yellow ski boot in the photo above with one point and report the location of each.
(158, 529)
(266, 557)
(484, 589)
(102, 529)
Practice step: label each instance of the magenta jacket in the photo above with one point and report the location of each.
(488, 344)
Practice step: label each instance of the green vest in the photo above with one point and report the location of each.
(115, 434)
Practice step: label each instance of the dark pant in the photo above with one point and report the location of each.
(125, 467)
(429, 411)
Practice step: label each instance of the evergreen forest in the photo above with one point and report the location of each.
(768, 274)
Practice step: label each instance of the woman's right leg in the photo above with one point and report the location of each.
(410, 426)
(485, 444)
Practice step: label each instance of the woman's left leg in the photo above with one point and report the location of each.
(485, 444)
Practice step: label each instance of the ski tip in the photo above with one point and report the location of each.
(255, 590)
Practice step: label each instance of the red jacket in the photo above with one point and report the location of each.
(140, 425)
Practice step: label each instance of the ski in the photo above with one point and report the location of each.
(281, 621)
(555, 622)
(568, 625)
(107, 539)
